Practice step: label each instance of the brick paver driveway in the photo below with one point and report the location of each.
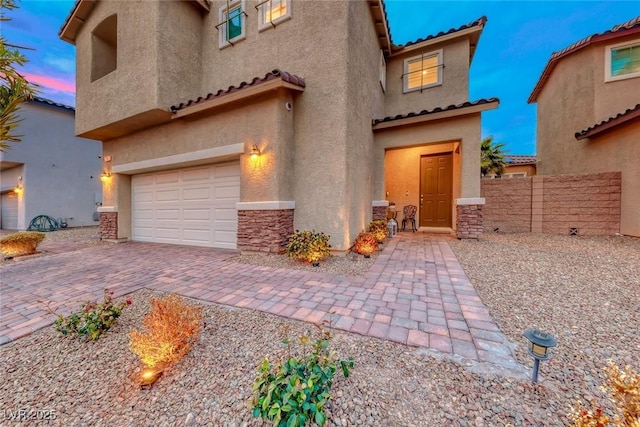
(415, 293)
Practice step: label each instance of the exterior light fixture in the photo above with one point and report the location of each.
(104, 176)
(18, 189)
(539, 344)
(255, 152)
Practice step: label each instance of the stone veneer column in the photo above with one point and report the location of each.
(265, 226)
(469, 218)
(379, 209)
(108, 228)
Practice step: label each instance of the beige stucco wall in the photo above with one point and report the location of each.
(530, 170)
(465, 129)
(455, 80)
(576, 97)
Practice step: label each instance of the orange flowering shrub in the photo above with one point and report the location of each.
(365, 243)
(171, 328)
(22, 243)
(379, 228)
(623, 388)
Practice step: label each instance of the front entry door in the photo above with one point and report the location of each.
(436, 177)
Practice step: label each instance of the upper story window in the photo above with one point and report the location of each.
(104, 48)
(422, 71)
(272, 12)
(231, 28)
(622, 61)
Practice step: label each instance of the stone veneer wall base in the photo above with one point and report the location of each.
(108, 228)
(264, 230)
(469, 221)
(379, 212)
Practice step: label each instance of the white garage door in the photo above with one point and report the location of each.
(9, 211)
(193, 206)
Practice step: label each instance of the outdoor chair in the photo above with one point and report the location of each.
(409, 214)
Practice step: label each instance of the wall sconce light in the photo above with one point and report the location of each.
(539, 345)
(105, 176)
(255, 152)
(19, 188)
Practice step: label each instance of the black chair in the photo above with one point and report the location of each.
(409, 214)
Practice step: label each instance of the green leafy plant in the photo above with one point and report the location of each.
(365, 243)
(294, 392)
(310, 246)
(379, 229)
(93, 319)
(22, 243)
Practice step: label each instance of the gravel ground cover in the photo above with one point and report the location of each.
(585, 291)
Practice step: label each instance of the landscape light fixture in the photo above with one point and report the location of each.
(539, 344)
(148, 376)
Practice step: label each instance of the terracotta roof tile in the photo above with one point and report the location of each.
(45, 101)
(478, 22)
(275, 74)
(631, 114)
(518, 159)
(436, 110)
(631, 26)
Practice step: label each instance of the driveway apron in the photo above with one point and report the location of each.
(415, 293)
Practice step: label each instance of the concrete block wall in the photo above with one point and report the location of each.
(589, 203)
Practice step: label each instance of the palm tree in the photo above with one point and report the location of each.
(491, 157)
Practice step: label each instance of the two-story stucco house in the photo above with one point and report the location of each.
(51, 171)
(232, 123)
(589, 113)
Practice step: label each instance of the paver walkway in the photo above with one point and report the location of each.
(415, 293)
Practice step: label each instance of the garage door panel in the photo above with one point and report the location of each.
(192, 206)
(199, 193)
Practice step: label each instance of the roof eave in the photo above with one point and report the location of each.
(473, 33)
(447, 114)
(605, 127)
(381, 24)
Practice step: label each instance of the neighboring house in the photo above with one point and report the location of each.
(51, 171)
(517, 165)
(206, 145)
(589, 113)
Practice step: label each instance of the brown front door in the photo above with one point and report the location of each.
(436, 177)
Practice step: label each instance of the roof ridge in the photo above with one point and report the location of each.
(42, 100)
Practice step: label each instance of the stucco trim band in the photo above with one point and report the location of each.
(470, 201)
(192, 158)
(107, 209)
(378, 203)
(266, 206)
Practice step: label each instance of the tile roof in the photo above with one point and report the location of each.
(45, 101)
(273, 75)
(478, 22)
(601, 127)
(518, 159)
(436, 110)
(630, 27)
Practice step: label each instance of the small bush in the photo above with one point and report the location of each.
(365, 243)
(93, 319)
(22, 243)
(171, 328)
(379, 229)
(308, 246)
(623, 388)
(293, 392)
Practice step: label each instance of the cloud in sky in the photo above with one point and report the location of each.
(59, 85)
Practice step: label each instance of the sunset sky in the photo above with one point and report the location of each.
(516, 43)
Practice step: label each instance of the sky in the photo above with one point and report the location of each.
(514, 48)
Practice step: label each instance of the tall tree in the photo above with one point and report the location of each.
(491, 157)
(15, 88)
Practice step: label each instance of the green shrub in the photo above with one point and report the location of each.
(310, 246)
(379, 229)
(93, 319)
(22, 243)
(294, 392)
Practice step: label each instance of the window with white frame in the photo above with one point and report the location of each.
(422, 71)
(622, 61)
(231, 27)
(272, 13)
(383, 71)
